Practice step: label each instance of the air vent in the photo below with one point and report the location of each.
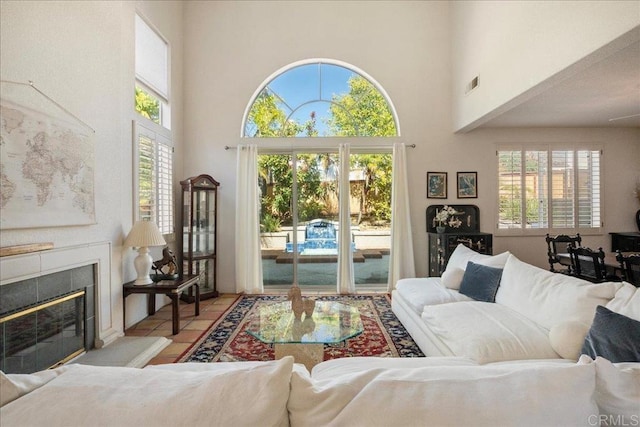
(472, 84)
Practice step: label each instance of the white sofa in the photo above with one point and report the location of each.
(339, 392)
(537, 314)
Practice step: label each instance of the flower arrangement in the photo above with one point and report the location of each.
(443, 215)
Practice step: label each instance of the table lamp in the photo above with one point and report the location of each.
(142, 235)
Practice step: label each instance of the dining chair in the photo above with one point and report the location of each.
(630, 266)
(560, 244)
(588, 264)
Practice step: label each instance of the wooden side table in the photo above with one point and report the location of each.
(170, 288)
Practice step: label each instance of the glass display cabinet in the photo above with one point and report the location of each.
(199, 218)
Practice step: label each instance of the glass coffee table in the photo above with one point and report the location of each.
(304, 337)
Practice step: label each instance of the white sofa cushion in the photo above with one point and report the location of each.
(487, 332)
(423, 291)
(457, 264)
(626, 301)
(617, 390)
(350, 365)
(100, 395)
(550, 298)
(533, 395)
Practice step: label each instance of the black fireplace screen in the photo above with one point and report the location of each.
(43, 336)
(47, 320)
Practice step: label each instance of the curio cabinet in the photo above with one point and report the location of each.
(199, 226)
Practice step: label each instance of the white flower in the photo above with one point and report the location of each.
(444, 214)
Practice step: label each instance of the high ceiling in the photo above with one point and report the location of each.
(603, 91)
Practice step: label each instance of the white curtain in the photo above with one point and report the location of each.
(401, 264)
(346, 282)
(248, 256)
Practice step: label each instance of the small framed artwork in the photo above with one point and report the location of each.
(436, 185)
(467, 185)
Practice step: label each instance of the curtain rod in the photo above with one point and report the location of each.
(50, 99)
(366, 147)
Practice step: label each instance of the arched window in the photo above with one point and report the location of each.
(320, 98)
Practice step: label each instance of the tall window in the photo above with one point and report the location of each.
(153, 153)
(300, 184)
(549, 189)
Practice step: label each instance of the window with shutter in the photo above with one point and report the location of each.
(548, 189)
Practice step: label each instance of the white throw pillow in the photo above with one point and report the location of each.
(617, 390)
(540, 395)
(551, 298)
(567, 338)
(457, 264)
(117, 396)
(626, 301)
(12, 386)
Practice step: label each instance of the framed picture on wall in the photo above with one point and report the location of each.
(467, 185)
(436, 185)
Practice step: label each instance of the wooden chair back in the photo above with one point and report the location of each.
(630, 266)
(588, 264)
(561, 244)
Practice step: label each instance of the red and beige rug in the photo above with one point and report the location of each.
(226, 340)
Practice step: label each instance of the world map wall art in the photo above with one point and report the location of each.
(46, 166)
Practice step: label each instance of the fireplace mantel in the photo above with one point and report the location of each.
(108, 301)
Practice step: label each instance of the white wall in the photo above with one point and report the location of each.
(515, 45)
(81, 54)
(232, 47)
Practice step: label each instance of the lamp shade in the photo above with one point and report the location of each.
(144, 233)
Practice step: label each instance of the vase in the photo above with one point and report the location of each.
(638, 219)
(442, 229)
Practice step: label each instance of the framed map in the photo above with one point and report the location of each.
(46, 169)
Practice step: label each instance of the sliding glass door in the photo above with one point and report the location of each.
(299, 217)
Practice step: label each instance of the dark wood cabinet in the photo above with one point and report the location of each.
(625, 242)
(442, 245)
(462, 226)
(199, 225)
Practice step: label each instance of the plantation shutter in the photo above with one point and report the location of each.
(562, 189)
(588, 188)
(536, 189)
(154, 178)
(509, 189)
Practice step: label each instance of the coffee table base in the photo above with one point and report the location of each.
(307, 354)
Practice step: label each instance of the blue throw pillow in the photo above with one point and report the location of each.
(613, 336)
(480, 282)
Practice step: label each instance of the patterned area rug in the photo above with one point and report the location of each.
(383, 336)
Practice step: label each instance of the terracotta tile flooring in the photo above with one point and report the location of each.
(191, 327)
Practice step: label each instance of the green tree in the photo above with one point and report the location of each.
(147, 106)
(363, 111)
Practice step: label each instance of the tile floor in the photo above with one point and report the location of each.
(191, 327)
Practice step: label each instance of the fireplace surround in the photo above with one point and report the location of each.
(56, 304)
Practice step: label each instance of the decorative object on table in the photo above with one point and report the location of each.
(467, 185)
(165, 268)
(48, 157)
(436, 185)
(199, 229)
(300, 305)
(446, 216)
(465, 218)
(143, 235)
(226, 340)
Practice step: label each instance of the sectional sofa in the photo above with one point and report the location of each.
(498, 308)
(342, 392)
(509, 344)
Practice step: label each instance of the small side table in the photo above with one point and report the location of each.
(170, 288)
